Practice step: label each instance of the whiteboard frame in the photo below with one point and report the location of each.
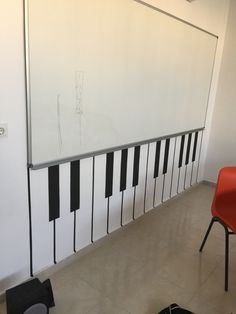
(107, 150)
(36, 166)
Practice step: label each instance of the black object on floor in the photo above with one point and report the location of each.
(175, 309)
(31, 297)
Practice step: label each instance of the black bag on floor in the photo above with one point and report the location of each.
(175, 309)
(31, 297)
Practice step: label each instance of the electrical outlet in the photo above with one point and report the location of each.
(3, 130)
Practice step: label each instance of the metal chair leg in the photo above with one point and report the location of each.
(207, 233)
(226, 258)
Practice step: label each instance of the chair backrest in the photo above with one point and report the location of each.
(225, 194)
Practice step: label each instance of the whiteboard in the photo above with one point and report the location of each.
(108, 73)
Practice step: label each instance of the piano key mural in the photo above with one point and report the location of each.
(76, 203)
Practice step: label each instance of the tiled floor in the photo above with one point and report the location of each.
(152, 263)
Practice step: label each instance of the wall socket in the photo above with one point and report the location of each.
(3, 129)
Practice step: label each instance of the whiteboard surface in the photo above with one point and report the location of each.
(107, 73)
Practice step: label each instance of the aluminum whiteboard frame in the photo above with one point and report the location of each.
(99, 152)
(27, 81)
(104, 151)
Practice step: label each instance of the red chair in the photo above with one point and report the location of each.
(224, 210)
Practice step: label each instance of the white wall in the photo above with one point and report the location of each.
(14, 245)
(14, 260)
(222, 144)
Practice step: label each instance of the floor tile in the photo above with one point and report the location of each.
(105, 269)
(212, 297)
(3, 308)
(73, 296)
(105, 306)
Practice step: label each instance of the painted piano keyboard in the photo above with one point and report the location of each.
(76, 203)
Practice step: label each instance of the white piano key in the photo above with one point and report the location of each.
(174, 185)
(100, 202)
(150, 178)
(129, 192)
(159, 179)
(196, 164)
(64, 224)
(42, 229)
(84, 214)
(189, 166)
(168, 175)
(140, 188)
(115, 199)
(182, 169)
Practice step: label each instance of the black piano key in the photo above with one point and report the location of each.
(123, 169)
(54, 192)
(157, 159)
(195, 147)
(109, 174)
(166, 156)
(74, 185)
(136, 165)
(181, 151)
(188, 148)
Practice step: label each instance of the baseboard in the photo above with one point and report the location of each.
(210, 183)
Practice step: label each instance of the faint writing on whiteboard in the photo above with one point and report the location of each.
(79, 86)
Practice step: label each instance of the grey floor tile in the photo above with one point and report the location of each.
(212, 297)
(3, 308)
(105, 306)
(149, 292)
(73, 296)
